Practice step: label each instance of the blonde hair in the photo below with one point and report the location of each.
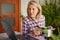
(38, 6)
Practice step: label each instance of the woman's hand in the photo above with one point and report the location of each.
(37, 32)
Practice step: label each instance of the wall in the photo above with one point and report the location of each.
(24, 4)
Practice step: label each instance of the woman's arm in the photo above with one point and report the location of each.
(42, 21)
(24, 27)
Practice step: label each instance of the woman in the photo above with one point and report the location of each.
(33, 20)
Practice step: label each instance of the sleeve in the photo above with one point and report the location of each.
(25, 30)
(24, 27)
(42, 21)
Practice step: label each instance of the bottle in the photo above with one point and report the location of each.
(49, 32)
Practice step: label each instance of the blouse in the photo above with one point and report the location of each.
(29, 24)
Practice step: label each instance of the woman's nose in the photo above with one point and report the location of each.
(31, 11)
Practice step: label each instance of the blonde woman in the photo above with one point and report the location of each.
(33, 20)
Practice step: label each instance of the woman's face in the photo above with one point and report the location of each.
(32, 11)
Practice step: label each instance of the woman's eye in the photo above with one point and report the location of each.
(29, 8)
(33, 9)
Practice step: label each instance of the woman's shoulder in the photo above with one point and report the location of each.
(42, 17)
(26, 19)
